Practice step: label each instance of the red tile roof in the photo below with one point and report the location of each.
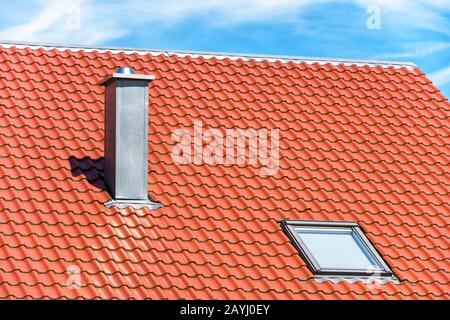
(362, 143)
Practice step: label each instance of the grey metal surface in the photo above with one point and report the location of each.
(367, 280)
(131, 139)
(110, 138)
(126, 139)
(125, 70)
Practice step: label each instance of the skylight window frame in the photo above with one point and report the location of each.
(289, 227)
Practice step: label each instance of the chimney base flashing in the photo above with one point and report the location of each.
(135, 204)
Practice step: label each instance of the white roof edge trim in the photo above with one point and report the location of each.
(209, 55)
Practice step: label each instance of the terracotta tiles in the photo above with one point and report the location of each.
(357, 143)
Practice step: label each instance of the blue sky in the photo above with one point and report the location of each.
(399, 30)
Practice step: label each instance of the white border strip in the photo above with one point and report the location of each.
(210, 55)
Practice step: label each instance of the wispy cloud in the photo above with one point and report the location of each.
(441, 77)
(418, 14)
(56, 21)
(103, 20)
(47, 16)
(415, 50)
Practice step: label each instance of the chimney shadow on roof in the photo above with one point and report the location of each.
(91, 169)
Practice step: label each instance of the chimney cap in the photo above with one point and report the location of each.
(125, 70)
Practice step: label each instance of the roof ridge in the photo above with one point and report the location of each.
(217, 55)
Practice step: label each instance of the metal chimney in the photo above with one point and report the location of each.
(126, 139)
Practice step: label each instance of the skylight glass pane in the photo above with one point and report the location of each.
(337, 248)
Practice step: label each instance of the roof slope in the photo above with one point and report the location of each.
(357, 143)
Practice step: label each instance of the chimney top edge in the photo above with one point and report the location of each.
(109, 78)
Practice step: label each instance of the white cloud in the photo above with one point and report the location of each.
(45, 19)
(391, 5)
(441, 4)
(418, 14)
(441, 77)
(103, 20)
(415, 50)
(218, 11)
(54, 22)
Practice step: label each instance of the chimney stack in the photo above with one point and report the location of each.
(126, 139)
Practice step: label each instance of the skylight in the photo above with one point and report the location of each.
(336, 248)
